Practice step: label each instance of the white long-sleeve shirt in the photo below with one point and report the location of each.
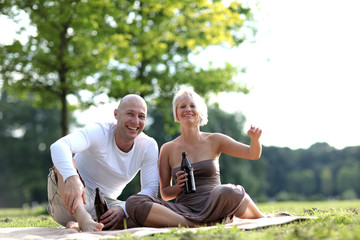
(102, 164)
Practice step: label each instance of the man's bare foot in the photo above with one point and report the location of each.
(90, 226)
(72, 224)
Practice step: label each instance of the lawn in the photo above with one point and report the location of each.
(337, 220)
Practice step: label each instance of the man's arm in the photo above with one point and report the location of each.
(71, 188)
(149, 172)
(62, 156)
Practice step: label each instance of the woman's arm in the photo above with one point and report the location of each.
(167, 191)
(237, 149)
(255, 146)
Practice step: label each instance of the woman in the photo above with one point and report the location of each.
(212, 202)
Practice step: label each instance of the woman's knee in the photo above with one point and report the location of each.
(138, 207)
(231, 191)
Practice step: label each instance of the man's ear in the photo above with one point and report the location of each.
(115, 113)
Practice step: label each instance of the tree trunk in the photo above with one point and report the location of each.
(62, 77)
(64, 115)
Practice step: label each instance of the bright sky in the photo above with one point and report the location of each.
(305, 73)
(303, 69)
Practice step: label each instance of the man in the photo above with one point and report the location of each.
(107, 156)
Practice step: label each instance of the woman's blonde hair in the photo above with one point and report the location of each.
(199, 103)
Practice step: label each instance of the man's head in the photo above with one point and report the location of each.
(131, 116)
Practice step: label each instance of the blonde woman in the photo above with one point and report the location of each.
(212, 202)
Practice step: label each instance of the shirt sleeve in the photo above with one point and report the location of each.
(124, 208)
(149, 172)
(62, 150)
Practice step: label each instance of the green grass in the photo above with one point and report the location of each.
(26, 217)
(337, 220)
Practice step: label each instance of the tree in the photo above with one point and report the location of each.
(25, 135)
(326, 181)
(348, 177)
(302, 182)
(277, 162)
(118, 47)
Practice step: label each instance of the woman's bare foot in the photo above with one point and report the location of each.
(279, 214)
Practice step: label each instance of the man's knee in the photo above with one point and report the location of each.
(56, 207)
(59, 176)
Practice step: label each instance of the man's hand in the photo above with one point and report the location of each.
(74, 193)
(113, 217)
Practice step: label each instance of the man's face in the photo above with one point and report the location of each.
(131, 118)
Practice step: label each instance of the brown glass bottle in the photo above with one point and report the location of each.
(187, 168)
(100, 205)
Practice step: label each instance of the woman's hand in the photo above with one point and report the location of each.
(254, 133)
(181, 178)
(255, 146)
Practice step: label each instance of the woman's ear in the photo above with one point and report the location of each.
(176, 117)
(115, 113)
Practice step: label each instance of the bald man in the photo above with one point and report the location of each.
(108, 156)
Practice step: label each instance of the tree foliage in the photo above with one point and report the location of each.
(25, 135)
(281, 173)
(118, 47)
(315, 173)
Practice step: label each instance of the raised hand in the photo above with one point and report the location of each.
(254, 133)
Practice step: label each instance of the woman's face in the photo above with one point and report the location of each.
(186, 110)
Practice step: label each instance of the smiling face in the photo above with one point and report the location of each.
(131, 117)
(197, 102)
(186, 110)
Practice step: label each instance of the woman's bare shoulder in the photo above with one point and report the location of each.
(168, 146)
(212, 136)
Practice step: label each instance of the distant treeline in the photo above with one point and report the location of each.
(319, 172)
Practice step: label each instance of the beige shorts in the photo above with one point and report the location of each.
(57, 209)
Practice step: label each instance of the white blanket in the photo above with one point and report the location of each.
(62, 233)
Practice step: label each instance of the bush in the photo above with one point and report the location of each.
(349, 194)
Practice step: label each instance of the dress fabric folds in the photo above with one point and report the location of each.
(212, 203)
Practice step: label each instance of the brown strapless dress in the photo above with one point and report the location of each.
(211, 203)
